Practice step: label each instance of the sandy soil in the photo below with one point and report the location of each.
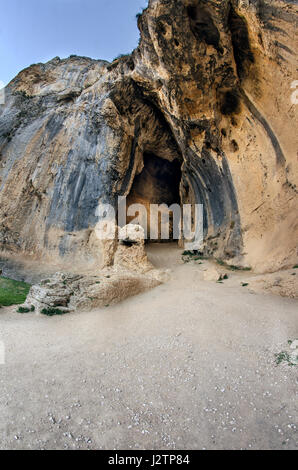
(189, 365)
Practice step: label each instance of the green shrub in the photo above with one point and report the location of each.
(195, 255)
(26, 309)
(50, 312)
(23, 310)
(220, 262)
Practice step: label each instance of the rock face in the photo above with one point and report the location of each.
(68, 292)
(208, 90)
(131, 253)
(130, 274)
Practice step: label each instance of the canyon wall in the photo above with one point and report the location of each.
(208, 91)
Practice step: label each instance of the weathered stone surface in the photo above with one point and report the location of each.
(55, 292)
(68, 293)
(209, 87)
(131, 254)
(130, 274)
(104, 240)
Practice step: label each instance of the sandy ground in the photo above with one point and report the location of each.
(189, 365)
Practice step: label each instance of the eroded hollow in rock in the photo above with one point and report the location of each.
(243, 54)
(203, 27)
(158, 183)
(230, 102)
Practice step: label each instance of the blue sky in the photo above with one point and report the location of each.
(34, 31)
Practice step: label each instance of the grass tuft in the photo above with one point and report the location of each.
(12, 292)
(195, 255)
(282, 357)
(231, 267)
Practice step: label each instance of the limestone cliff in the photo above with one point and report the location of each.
(207, 92)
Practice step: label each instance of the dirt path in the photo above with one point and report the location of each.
(189, 365)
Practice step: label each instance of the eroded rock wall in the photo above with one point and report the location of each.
(222, 73)
(209, 86)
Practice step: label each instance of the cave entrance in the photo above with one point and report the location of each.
(158, 183)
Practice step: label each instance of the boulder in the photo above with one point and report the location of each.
(131, 254)
(130, 274)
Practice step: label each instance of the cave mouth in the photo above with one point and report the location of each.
(158, 183)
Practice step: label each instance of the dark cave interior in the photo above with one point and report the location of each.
(158, 183)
